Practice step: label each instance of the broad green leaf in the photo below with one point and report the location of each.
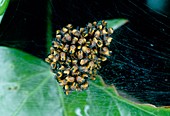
(116, 23)
(27, 88)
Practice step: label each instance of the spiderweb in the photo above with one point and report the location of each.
(140, 63)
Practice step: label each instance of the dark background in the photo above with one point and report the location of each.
(140, 62)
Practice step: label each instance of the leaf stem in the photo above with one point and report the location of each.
(49, 26)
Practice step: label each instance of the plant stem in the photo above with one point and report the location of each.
(49, 26)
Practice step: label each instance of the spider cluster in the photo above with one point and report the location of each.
(76, 54)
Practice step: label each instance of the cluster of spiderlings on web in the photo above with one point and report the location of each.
(76, 54)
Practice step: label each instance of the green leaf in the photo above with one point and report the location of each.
(116, 23)
(27, 88)
(3, 7)
(1, 16)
